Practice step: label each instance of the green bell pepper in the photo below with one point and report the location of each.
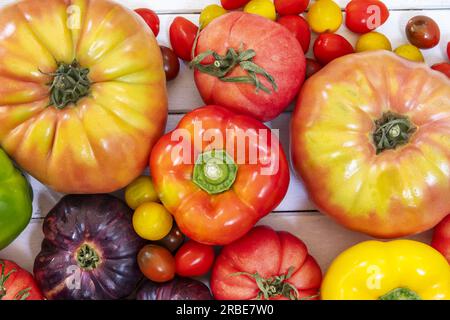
(15, 201)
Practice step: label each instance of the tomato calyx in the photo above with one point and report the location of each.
(3, 278)
(274, 286)
(87, 258)
(225, 64)
(70, 84)
(392, 130)
(214, 171)
(400, 294)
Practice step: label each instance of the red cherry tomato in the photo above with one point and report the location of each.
(362, 16)
(443, 67)
(299, 27)
(329, 46)
(194, 259)
(448, 50)
(312, 66)
(288, 7)
(150, 18)
(182, 36)
(233, 4)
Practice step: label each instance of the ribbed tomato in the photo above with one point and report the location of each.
(83, 95)
(371, 140)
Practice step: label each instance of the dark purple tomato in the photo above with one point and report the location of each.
(176, 289)
(423, 32)
(171, 63)
(173, 240)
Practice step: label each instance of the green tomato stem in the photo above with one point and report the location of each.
(400, 294)
(392, 130)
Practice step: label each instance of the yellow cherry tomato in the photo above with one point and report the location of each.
(324, 16)
(410, 52)
(394, 270)
(141, 190)
(210, 13)
(373, 41)
(264, 8)
(152, 221)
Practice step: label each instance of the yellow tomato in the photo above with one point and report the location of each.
(152, 221)
(373, 41)
(395, 270)
(140, 191)
(410, 52)
(324, 16)
(264, 8)
(210, 13)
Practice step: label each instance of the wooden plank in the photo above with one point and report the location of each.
(324, 237)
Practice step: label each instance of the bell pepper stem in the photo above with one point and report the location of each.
(400, 294)
(214, 171)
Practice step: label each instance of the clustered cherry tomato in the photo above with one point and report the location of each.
(182, 34)
(139, 191)
(152, 221)
(329, 46)
(156, 263)
(324, 16)
(299, 27)
(443, 67)
(410, 52)
(263, 8)
(373, 41)
(448, 50)
(289, 7)
(210, 13)
(233, 4)
(423, 32)
(171, 63)
(194, 259)
(150, 18)
(312, 66)
(362, 16)
(173, 240)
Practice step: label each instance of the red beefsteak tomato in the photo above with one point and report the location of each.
(248, 64)
(265, 264)
(17, 283)
(371, 140)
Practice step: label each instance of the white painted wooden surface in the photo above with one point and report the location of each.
(296, 213)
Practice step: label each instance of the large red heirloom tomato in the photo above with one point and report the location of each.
(371, 140)
(265, 264)
(248, 64)
(218, 173)
(82, 94)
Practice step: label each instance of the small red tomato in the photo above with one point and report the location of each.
(423, 32)
(448, 50)
(171, 63)
(312, 66)
(299, 27)
(182, 36)
(233, 4)
(288, 7)
(441, 238)
(329, 46)
(194, 259)
(156, 263)
(150, 18)
(443, 67)
(362, 16)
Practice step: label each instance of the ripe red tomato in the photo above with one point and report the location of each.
(329, 46)
(443, 67)
(156, 263)
(288, 7)
(17, 283)
(441, 238)
(423, 32)
(312, 66)
(182, 36)
(299, 27)
(233, 4)
(194, 259)
(362, 16)
(150, 18)
(448, 50)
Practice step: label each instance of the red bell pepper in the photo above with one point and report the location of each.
(218, 173)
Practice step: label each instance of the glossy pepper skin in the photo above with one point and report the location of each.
(15, 201)
(395, 270)
(222, 217)
(100, 142)
(343, 110)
